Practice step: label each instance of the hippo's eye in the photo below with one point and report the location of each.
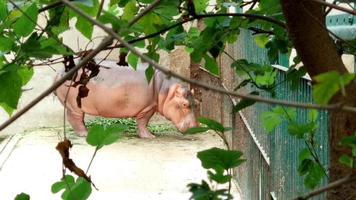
(185, 105)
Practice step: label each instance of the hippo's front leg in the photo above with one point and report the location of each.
(77, 121)
(142, 121)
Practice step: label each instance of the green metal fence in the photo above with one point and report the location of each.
(272, 159)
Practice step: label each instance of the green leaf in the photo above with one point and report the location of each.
(109, 18)
(27, 22)
(121, 3)
(58, 186)
(200, 191)
(313, 115)
(328, 84)
(3, 10)
(299, 130)
(81, 190)
(216, 158)
(149, 72)
(270, 120)
(6, 43)
(269, 7)
(12, 79)
(104, 135)
(218, 176)
(212, 124)
(130, 11)
(168, 9)
(261, 40)
(146, 1)
(132, 59)
(245, 103)
(211, 65)
(195, 130)
(22, 196)
(150, 23)
(267, 79)
(350, 141)
(84, 27)
(347, 161)
(314, 176)
(200, 5)
(42, 47)
(304, 154)
(305, 166)
(63, 184)
(294, 76)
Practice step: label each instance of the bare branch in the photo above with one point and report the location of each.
(246, 15)
(144, 12)
(331, 5)
(102, 45)
(200, 84)
(100, 9)
(347, 179)
(50, 6)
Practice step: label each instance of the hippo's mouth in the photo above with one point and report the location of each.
(184, 126)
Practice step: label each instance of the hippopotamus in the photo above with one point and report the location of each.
(122, 92)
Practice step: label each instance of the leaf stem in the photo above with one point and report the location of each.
(91, 160)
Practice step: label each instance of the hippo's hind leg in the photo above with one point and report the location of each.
(76, 119)
(142, 121)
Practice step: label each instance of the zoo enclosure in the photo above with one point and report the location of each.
(272, 159)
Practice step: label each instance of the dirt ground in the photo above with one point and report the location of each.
(132, 168)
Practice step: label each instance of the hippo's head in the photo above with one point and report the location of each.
(179, 108)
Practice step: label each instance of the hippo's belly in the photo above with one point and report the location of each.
(120, 101)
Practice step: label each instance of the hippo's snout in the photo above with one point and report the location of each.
(184, 126)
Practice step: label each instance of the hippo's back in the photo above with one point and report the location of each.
(117, 91)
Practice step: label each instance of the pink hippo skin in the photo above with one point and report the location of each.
(121, 92)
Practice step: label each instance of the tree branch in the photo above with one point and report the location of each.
(50, 6)
(144, 12)
(331, 5)
(100, 9)
(102, 45)
(347, 179)
(200, 84)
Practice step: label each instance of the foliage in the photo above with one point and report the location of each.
(309, 164)
(78, 189)
(100, 136)
(208, 124)
(350, 143)
(23, 43)
(219, 163)
(22, 196)
(329, 84)
(131, 125)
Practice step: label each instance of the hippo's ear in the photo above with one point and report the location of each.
(179, 91)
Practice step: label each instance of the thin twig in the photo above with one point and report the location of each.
(102, 45)
(144, 12)
(132, 22)
(328, 10)
(100, 9)
(50, 6)
(181, 23)
(330, 186)
(91, 160)
(246, 15)
(169, 73)
(26, 15)
(334, 6)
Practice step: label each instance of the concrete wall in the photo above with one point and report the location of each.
(49, 112)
